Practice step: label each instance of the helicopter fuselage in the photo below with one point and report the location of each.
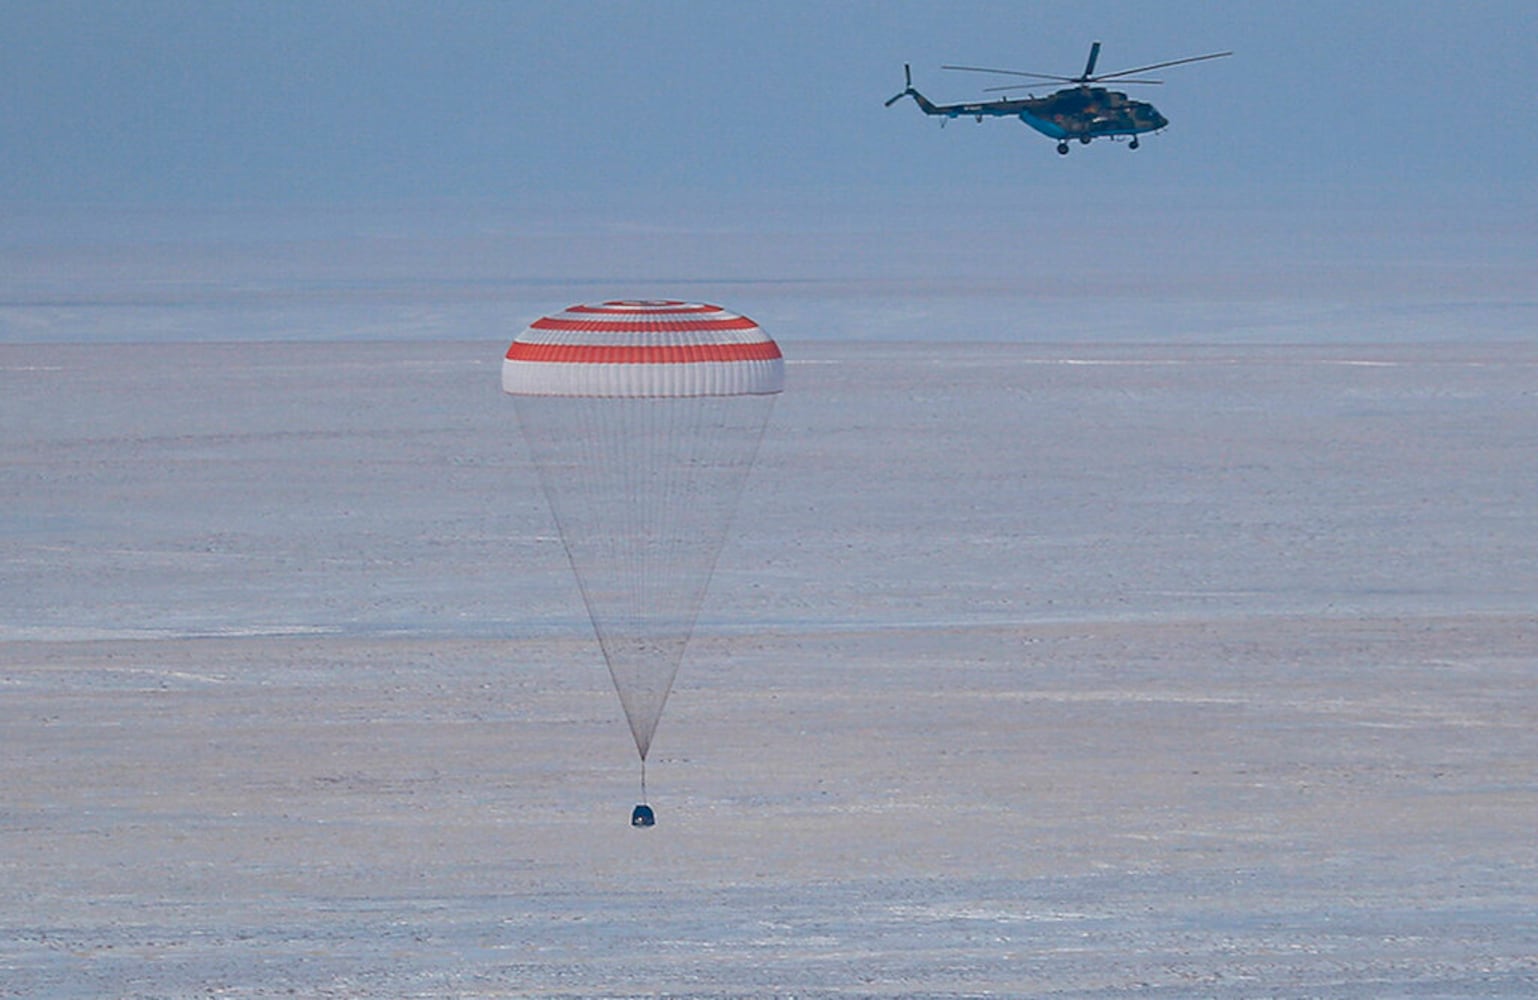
(1082, 113)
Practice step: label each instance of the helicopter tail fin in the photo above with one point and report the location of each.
(923, 102)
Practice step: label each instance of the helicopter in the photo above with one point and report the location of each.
(1083, 111)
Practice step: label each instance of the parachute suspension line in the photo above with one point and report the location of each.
(643, 458)
(643, 491)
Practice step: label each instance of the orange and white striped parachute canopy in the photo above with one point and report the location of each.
(643, 348)
(642, 420)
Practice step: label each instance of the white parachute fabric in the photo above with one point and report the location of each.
(643, 422)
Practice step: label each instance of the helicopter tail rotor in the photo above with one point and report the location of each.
(907, 85)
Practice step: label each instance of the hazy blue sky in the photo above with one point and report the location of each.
(220, 102)
(348, 169)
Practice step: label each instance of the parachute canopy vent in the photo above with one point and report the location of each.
(643, 348)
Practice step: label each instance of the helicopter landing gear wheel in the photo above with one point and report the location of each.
(1133, 144)
(1062, 148)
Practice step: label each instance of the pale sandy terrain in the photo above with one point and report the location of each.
(1182, 671)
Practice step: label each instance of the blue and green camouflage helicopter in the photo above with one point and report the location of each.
(1083, 111)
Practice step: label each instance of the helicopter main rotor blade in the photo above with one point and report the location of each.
(1089, 67)
(1021, 86)
(1015, 72)
(1144, 69)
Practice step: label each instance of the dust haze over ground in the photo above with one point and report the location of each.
(1034, 667)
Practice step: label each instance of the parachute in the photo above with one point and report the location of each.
(643, 419)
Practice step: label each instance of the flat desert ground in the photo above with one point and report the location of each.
(1027, 670)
